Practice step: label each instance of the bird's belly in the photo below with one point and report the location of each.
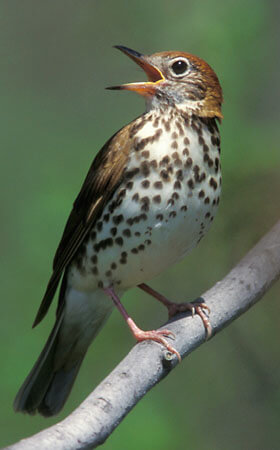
(136, 245)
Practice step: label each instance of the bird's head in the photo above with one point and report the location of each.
(177, 79)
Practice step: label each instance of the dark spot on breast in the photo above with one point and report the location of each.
(169, 169)
(184, 208)
(135, 197)
(196, 169)
(148, 242)
(201, 140)
(94, 259)
(94, 270)
(205, 148)
(156, 122)
(153, 163)
(164, 175)
(145, 168)
(99, 226)
(206, 157)
(122, 193)
(157, 199)
(119, 241)
(178, 162)
(141, 247)
(145, 184)
(145, 200)
(175, 155)
(129, 185)
(123, 259)
(113, 266)
(106, 217)
(191, 183)
(213, 183)
(158, 185)
(180, 128)
(131, 173)
(143, 216)
(114, 231)
(189, 162)
(179, 175)
(127, 232)
(140, 144)
(216, 164)
(172, 214)
(215, 140)
(159, 217)
(175, 196)
(186, 141)
(166, 124)
(130, 221)
(134, 250)
(106, 243)
(145, 154)
(201, 194)
(177, 185)
(145, 207)
(108, 273)
(174, 144)
(174, 135)
(96, 247)
(118, 219)
(202, 177)
(165, 160)
(207, 200)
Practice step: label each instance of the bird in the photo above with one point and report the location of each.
(149, 197)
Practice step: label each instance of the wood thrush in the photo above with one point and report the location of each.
(149, 197)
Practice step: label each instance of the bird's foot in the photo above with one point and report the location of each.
(195, 308)
(174, 308)
(153, 335)
(140, 335)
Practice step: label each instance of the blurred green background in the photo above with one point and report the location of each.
(56, 60)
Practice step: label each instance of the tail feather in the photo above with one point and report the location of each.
(59, 390)
(49, 383)
(37, 382)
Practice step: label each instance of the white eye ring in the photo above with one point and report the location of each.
(179, 66)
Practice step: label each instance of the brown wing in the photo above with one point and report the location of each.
(103, 178)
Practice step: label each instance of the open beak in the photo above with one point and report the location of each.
(154, 75)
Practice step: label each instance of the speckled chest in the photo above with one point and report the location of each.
(163, 207)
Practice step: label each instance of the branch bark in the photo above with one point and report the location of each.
(147, 363)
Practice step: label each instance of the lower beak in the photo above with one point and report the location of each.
(153, 73)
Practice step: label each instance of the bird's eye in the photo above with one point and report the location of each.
(179, 67)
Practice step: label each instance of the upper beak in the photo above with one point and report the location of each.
(154, 75)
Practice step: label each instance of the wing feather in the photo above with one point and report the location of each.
(104, 177)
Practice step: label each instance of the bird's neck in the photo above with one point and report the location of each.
(158, 105)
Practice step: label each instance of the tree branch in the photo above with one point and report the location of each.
(148, 363)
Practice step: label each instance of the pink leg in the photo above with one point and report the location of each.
(174, 308)
(140, 335)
